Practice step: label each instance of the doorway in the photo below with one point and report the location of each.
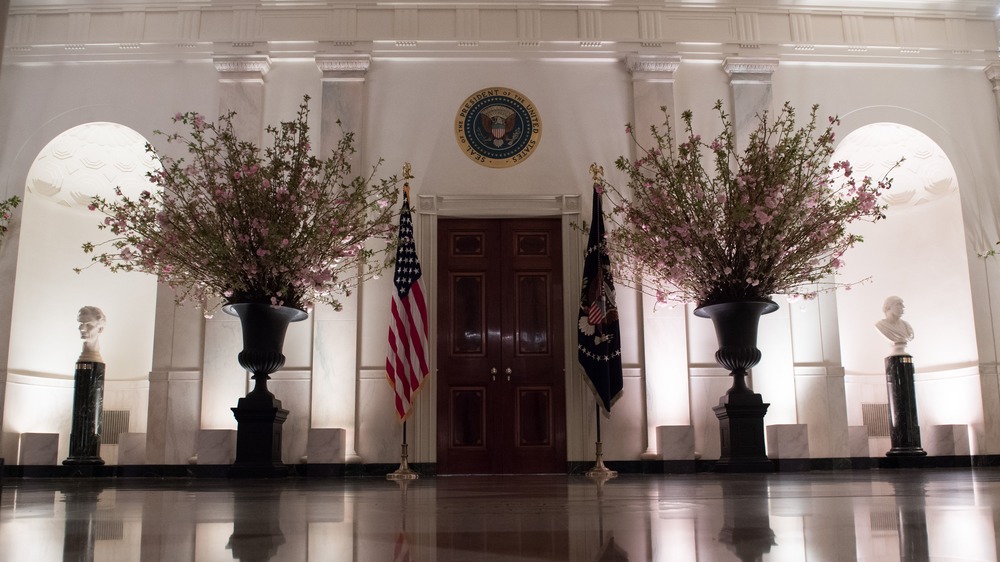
(501, 371)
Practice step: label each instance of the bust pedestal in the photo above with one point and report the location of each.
(904, 429)
(88, 403)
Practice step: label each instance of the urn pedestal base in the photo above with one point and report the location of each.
(259, 420)
(741, 432)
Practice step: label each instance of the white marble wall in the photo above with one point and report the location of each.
(132, 448)
(216, 446)
(787, 441)
(175, 407)
(292, 387)
(37, 405)
(326, 445)
(406, 114)
(675, 442)
(947, 440)
(38, 449)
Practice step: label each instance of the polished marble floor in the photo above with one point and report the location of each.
(880, 515)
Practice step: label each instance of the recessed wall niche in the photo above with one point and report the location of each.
(919, 254)
(87, 160)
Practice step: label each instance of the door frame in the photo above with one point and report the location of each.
(422, 426)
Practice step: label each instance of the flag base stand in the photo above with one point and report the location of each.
(404, 472)
(599, 471)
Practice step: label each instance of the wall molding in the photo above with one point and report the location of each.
(97, 32)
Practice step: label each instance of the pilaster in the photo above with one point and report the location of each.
(344, 98)
(241, 89)
(664, 329)
(750, 82)
(652, 91)
(993, 74)
(336, 347)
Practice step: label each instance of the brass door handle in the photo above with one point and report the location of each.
(507, 371)
(493, 372)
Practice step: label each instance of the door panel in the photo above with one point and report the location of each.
(501, 378)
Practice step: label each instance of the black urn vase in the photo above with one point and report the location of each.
(259, 414)
(741, 410)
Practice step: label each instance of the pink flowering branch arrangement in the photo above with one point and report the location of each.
(278, 226)
(706, 223)
(7, 207)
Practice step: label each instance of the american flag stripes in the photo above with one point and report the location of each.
(406, 358)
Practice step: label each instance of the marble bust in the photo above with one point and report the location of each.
(92, 322)
(893, 327)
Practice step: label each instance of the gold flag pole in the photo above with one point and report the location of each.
(599, 471)
(404, 472)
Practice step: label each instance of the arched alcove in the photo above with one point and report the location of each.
(87, 160)
(919, 254)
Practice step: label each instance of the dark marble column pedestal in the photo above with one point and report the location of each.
(904, 430)
(88, 404)
(741, 432)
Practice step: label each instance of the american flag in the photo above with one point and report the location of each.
(406, 359)
(401, 550)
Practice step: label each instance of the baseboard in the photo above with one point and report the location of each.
(380, 470)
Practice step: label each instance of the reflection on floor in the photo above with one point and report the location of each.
(881, 515)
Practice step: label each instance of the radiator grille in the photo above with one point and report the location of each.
(113, 424)
(876, 419)
(109, 530)
(884, 521)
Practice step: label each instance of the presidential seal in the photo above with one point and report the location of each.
(498, 127)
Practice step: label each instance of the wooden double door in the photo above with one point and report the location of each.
(501, 371)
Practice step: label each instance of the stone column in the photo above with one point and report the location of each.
(664, 347)
(905, 428)
(175, 381)
(820, 390)
(88, 403)
(336, 345)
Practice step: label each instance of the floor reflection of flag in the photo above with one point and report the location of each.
(611, 552)
(401, 552)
